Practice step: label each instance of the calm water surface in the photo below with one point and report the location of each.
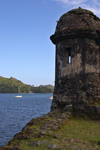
(15, 113)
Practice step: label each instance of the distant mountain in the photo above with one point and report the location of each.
(11, 85)
(49, 86)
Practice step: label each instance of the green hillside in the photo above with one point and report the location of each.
(12, 85)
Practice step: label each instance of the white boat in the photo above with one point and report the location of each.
(17, 95)
(51, 97)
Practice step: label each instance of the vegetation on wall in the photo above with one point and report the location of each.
(12, 85)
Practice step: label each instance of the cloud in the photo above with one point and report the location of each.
(93, 5)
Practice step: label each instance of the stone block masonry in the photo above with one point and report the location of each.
(77, 70)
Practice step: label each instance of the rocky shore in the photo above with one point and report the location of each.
(54, 131)
(38, 128)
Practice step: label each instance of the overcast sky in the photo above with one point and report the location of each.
(26, 52)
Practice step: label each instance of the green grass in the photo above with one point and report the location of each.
(76, 133)
(82, 129)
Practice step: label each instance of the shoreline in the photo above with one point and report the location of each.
(30, 128)
(59, 131)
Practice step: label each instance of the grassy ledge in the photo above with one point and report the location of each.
(57, 131)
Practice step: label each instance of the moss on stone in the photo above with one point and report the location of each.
(77, 12)
(81, 133)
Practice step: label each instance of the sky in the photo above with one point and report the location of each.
(26, 52)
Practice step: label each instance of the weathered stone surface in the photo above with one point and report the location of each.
(42, 133)
(54, 136)
(25, 128)
(77, 79)
(37, 143)
(99, 143)
(52, 146)
(98, 109)
(20, 136)
(67, 108)
(15, 148)
(62, 148)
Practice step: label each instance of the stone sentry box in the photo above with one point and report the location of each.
(77, 70)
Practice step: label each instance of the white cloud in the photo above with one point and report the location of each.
(93, 5)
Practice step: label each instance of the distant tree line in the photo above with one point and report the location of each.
(12, 85)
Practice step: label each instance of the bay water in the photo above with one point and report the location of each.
(15, 113)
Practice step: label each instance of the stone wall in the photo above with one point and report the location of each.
(77, 83)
